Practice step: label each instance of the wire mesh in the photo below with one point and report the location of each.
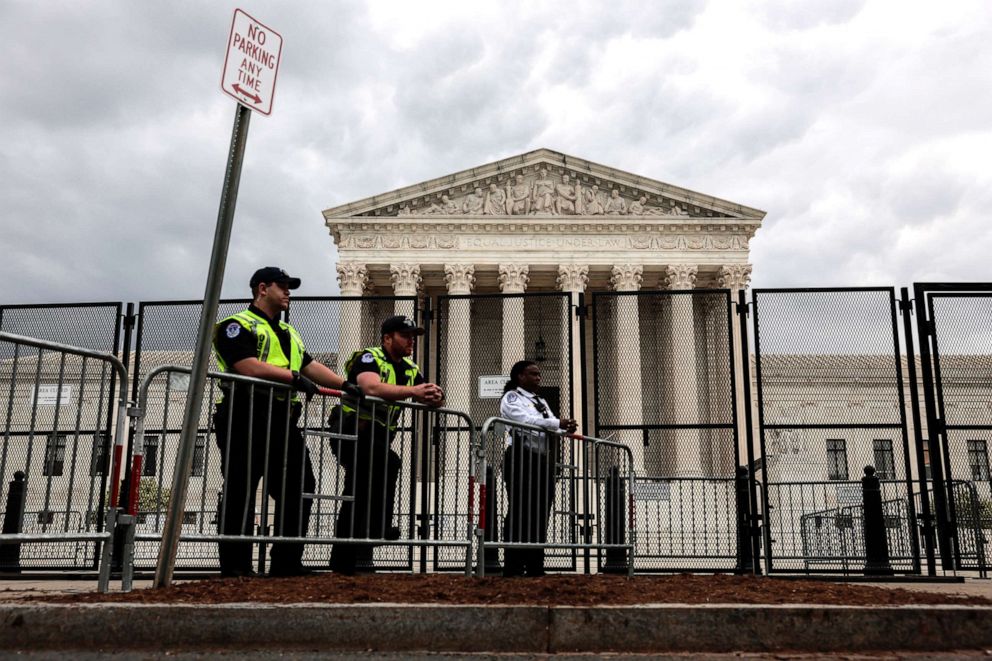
(830, 402)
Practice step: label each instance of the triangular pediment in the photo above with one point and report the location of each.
(543, 183)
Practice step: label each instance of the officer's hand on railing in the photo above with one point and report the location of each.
(569, 425)
(305, 385)
(352, 390)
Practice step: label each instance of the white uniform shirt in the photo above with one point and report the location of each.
(522, 406)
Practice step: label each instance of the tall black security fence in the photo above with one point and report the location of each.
(331, 328)
(953, 322)
(479, 338)
(57, 426)
(665, 386)
(830, 401)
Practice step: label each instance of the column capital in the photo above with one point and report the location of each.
(352, 278)
(573, 277)
(513, 278)
(459, 278)
(682, 276)
(627, 277)
(735, 276)
(405, 278)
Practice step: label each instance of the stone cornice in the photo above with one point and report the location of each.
(594, 171)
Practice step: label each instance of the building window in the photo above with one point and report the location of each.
(978, 459)
(199, 451)
(98, 456)
(189, 518)
(836, 459)
(885, 465)
(150, 462)
(46, 518)
(54, 455)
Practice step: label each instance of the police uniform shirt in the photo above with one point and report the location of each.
(522, 406)
(366, 363)
(234, 343)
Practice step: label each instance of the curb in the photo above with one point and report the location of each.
(520, 629)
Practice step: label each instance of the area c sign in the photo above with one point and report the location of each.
(252, 63)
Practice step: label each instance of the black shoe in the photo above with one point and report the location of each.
(392, 533)
(238, 573)
(293, 570)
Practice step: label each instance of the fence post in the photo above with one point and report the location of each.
(745, 560)
(616, 559)
(491, 555)
(876, 544)
(13, 523)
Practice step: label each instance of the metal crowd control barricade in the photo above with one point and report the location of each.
(312, 468)
(56, 446)
(584, 486)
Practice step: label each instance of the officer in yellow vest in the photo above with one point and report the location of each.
(371, 467)
(248, 421)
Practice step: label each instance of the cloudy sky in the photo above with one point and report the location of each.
(861, 126)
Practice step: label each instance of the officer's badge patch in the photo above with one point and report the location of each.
(368, 358)
(233, 329)
(511, 397)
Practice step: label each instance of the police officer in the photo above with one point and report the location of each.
(256, 343)
(529, 468)
(371, 467)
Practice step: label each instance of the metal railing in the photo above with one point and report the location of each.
(392, 500)
(54, 371)
(569, 494)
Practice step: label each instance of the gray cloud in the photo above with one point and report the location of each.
(862, 132)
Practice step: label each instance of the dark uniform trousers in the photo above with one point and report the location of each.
(371, 469)
(288, 474)
(529, 475)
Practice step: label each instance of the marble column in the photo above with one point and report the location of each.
(684, 388)
(406, 281)
(459, 279)
(736, 277)
(513, 279)
(572, 279)
(352, 279)
(626, 392)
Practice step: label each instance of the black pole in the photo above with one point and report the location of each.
(914, 396)
(745, 561)
(933, 430)
(754, 517)
(616, 559)
(13, 523)
(876, 544)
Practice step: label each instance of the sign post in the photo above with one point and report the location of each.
(250, 69)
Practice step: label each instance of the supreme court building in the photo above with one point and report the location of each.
(475, 244)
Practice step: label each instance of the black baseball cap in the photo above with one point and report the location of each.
(273, 274)
(401, 324)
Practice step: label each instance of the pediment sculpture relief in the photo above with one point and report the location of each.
(543, 194)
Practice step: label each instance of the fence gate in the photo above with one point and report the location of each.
(56, 425)
(331, 328)
(479, 338)
(953, 323)
(830, 401)
(666, 388)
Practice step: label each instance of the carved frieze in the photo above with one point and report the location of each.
(541, 192)
(470, 236)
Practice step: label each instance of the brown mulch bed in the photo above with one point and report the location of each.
(550, 590)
